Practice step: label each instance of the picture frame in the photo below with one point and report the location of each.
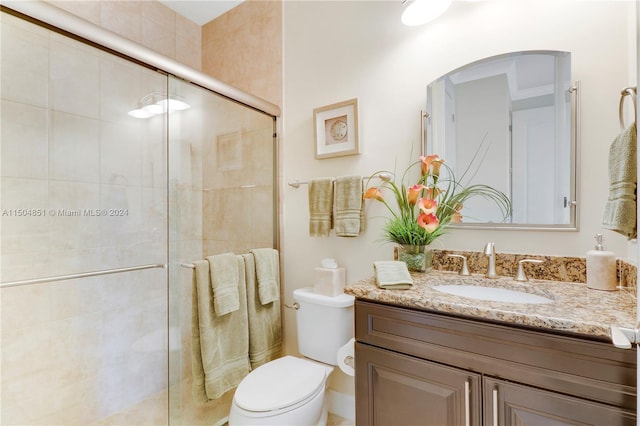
(336, 129)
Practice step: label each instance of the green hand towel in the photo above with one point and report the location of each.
(267, 274)
(265, 327)
(349, 206)
(392, 275)
(320, 207)
(220, 344)
(620, 210)
(224, 281)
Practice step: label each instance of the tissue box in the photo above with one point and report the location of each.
(329, 281)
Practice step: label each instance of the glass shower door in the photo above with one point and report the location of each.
(83, 235)
(221, 199)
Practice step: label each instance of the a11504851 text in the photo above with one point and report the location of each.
(37, 212)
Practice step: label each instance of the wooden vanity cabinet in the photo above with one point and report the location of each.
(404, 390)
(425, 368)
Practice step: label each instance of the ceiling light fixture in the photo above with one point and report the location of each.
(420, 12)
(158, 103)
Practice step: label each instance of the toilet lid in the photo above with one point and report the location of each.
(279, 384)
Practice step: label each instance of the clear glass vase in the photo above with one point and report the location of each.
(417, 258)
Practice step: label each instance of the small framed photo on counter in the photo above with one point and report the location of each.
(336, 129)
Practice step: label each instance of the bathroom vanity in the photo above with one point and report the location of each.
(430, 358)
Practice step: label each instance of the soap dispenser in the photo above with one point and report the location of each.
(601, 267)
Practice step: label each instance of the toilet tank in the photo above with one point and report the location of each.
(324, 323)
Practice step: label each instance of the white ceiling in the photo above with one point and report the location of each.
(201, 11)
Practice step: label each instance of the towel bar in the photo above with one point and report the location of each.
(384, 176)
(188, 265)
(632, 92)
(80, 275)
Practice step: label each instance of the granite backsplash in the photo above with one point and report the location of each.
(571, 269)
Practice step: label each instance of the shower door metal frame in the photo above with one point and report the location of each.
(72, 24)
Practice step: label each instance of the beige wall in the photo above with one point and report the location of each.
(243, 48)
(149, 23)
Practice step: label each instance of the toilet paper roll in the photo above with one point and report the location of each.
(346, 358)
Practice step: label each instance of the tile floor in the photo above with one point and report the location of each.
(153, 412)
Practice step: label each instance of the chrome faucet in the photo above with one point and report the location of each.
(521, 276)
(490, 251)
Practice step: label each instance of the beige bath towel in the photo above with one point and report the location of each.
(620, 210)
(267, 274)
(265, 327)
(220, 344)
(320, 207)
(392, 275)
(349, 206)
(224, 281)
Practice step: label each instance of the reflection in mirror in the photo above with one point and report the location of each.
(506, 121)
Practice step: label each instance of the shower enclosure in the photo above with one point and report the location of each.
(114, 172)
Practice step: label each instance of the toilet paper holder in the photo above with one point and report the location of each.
(348, 360)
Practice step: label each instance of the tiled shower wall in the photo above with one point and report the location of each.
(243, 47)
(211, 174)
(149, 23)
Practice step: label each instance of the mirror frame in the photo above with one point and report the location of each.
(575, 90)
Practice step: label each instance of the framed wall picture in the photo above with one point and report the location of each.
(336, 129)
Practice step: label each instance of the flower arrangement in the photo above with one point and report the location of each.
(425, 208)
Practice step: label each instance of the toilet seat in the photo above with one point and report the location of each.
(280, 384)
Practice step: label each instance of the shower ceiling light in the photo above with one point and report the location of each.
(139, 113)
(422, 11)
(174, 104)
(153, 109)
(157, 103)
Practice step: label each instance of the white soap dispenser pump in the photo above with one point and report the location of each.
(601, 267)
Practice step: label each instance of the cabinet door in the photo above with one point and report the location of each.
(394, 390)
(509, 404)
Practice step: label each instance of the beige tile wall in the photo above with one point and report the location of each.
(149, 23)
(243, 48)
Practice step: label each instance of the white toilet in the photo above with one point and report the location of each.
(290, 391)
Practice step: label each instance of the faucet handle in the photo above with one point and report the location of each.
(489, 248)
(521, 276)
(465, 268)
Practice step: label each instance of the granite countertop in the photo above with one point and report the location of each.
(575, 309)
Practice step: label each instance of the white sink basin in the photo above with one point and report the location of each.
(492, 294)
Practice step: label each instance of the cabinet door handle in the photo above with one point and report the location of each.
(495, 407)
(467, 390)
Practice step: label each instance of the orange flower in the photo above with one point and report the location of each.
(433, 192)
(373, 192)
(428, 161)
(413, 192)
(428, 221)
(456, 218)
(427, 205)
(436, 166)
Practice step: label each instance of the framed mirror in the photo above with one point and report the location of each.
(510, 121)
